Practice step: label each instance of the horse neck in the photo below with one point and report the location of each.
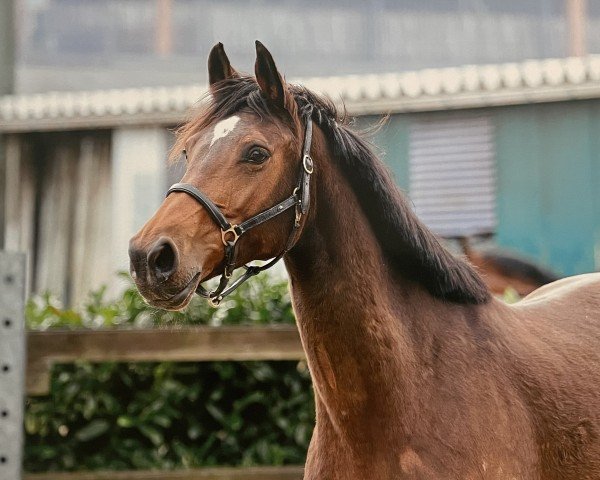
(357, 319)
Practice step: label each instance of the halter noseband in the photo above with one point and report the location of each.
(230, 234)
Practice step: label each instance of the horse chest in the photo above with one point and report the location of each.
(409, 464)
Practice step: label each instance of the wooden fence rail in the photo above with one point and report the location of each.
(193, 344)
(222, 473)
(190, 344)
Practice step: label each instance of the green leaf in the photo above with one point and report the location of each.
(162, 420)
(151, 434)
(92, 430)
(216, 413)
(125, 422)
(194, 431)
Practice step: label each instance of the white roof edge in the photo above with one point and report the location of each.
(469, 86)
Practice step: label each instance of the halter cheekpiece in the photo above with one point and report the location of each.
(230, 234)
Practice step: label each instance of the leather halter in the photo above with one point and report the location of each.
(230, 234)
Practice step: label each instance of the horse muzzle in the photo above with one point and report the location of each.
(155, 270)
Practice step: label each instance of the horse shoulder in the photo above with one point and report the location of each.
(555, 335)
(566, 309)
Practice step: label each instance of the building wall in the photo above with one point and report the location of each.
(547, 178)
(58, 197)
(75, 198)
(138, 184)
(548, 183)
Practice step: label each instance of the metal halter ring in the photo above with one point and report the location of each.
(233, 231)
(215, 301)
(307, 163)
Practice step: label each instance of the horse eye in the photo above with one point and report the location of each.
(257, 155)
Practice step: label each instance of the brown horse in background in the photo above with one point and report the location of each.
(418, 372)
(502, 270)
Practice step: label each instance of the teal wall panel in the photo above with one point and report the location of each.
(391, 141)
(518, 182)
(594, 108)
(546, 187)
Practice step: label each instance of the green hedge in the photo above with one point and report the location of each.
(170, 415)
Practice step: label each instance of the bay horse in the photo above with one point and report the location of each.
(418, 372)
(503, 270)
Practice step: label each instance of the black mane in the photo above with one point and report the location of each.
(412, 249)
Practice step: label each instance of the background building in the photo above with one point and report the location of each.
(508, 149)
(83, 44)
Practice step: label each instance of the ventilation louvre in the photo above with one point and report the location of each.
(452, 174)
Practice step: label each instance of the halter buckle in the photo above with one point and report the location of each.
(233, 231)
(307, 164)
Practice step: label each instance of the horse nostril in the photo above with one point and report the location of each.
(162, 259)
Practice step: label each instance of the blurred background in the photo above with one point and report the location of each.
(493, 133)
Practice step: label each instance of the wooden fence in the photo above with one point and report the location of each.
(175, 344)
(195, 344)
(248, 473)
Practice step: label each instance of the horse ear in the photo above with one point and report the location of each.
(219, 68)
(270, 81)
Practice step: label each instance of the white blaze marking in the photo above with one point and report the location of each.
(224, 128)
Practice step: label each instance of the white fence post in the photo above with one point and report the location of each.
(12, 363)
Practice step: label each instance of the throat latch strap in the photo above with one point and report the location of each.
(230, 234)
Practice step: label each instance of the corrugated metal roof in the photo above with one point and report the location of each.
(470, 86)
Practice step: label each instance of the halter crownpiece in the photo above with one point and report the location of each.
(230, 234)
